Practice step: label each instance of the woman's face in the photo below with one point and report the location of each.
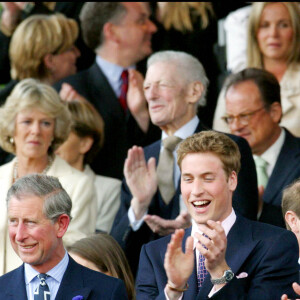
(34, 132)
(275, 32)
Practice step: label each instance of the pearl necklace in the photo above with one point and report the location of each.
(16, 165)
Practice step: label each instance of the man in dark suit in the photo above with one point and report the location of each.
(38, 217)
(174, 86)
(226, 256)
(254, 112)
(120, 34)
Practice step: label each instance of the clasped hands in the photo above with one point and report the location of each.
(141, 179)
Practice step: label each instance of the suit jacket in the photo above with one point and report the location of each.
(244, 201)
(84, 208)
(286, 171)
(263, 257)
(120, 131)
(76, 281)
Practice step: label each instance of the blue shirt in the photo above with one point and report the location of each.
(54, 280)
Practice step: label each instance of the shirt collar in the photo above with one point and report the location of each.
(226, 224)
(186, 130)
(56, 273)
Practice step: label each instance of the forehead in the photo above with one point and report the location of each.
(135, 9)
(243, 95)
(32, 113)
(26, 206)
(275, 11)
(162, 71)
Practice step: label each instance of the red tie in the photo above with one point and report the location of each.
(124, 88)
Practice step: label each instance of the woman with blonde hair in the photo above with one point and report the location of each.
(42, 47)
(33, 123)
(273, 44)
(101, 252)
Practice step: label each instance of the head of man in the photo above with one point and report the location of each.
(291, 207)
(119, 31)
(38, 217)
(209, 163)
(253, 109)
(174, 85)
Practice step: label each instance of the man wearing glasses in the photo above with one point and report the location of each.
(253, 108)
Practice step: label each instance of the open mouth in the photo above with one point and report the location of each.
(201, 204)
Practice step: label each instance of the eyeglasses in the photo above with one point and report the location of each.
(243, 119)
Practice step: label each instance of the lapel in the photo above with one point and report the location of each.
(72, 283)
(285, 170)
(17, 276)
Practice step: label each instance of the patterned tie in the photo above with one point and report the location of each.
(124, 89)
(261, 170)
(42, 292)
(165, 168)
(202, 272)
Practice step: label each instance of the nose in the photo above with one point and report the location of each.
(273, 30)
(35, 128)
(20, 232)
(151, 93)
(197, 188)
(151, 27)
(236, 125)
(76, 51)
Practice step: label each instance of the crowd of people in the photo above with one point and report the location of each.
(113, 185)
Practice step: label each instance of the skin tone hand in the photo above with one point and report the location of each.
(141, 179)
(68, 93)
(178, 265)
(164, 227)
(216, 245)
(296, 288)
(136, 100)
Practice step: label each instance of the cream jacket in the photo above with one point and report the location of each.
(84, 208)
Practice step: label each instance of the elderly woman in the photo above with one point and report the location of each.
(102, 253)
(42, 47)
(33, 123)
(273, 44)
(79, 150)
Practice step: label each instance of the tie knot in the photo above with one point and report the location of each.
(124, 76)
(42, 277)
(171, 142)
(260, 162)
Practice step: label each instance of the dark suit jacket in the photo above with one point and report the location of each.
(244, 201)
(265, 254)
(286, 171)
(121, 130)
(76, 281)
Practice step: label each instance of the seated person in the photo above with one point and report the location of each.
(79, 150)
(236, 258)
(39, 212)
(100, 252)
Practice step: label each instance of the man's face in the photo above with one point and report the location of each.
(33, 236)
(205, 188)
(167, 96)
(260, 128)
(135, 32)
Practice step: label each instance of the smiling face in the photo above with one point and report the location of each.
(170, 106)
(34, 132)
(205, 188)
(275, 33)
(35, 239)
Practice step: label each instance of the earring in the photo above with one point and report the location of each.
(11, 140)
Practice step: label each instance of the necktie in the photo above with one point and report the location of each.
(261, 171)
(42, 292)
(165, 168)
(202, 272)
(124, 89)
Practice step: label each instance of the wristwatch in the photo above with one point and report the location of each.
(227, 276)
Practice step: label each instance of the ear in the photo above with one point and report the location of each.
(194, 92)
(232, 181)
(48, 61)
(110, 32)
(292, 219)
(62, 224)
(85, 144)
(276, 112)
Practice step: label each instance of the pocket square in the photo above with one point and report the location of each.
(242, 275)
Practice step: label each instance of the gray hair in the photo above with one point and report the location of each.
(48, 188)
(189, 68)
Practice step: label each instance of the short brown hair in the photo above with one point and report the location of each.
(213, 142)
(35, 37)
(291, 199)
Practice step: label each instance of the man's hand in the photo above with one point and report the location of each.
(296, 288)
(178, 265)
(141, 179)
(164, 227)
(136, 100)
(213, 248)
(68, 93)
